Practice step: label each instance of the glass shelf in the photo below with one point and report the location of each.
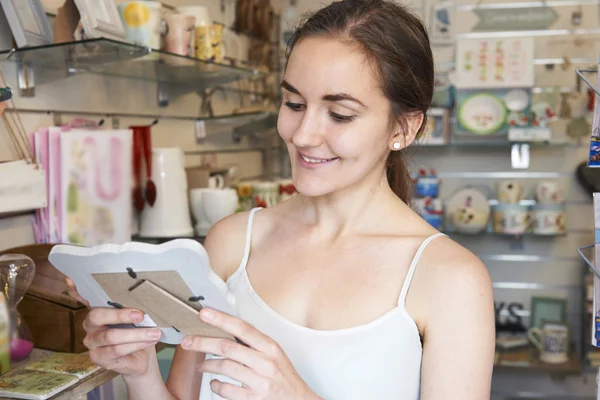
(118, 59)
(494, 144)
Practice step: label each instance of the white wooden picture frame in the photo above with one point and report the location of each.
(185, 256)
(100, 18)
(28, 22)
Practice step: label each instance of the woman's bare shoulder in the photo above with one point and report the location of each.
(452, 267)
(450, 276)
(226, 240)
(225, 243)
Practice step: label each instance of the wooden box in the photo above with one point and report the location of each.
(54, 318)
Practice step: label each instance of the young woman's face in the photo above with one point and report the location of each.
(334, 118)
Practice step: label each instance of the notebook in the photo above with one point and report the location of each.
(47, 377)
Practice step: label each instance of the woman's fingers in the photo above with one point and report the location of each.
(100, 317)
(240, 329)
(229, 349)
(106, 356)
(118, 336)
(234, 370)
(72, 290)
(230, 392)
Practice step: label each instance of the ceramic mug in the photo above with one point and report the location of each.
(549, 192)
(511, 219)
(510, 191)
(178, 37)
(549, 219)
(552, 341)
(142, 21)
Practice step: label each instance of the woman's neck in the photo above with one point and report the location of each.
(359, 208)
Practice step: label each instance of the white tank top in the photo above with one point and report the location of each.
(377, 360)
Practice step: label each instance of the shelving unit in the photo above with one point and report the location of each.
(111, 58)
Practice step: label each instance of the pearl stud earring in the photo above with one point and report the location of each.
(396, 145)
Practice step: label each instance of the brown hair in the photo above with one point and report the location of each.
(396, 44)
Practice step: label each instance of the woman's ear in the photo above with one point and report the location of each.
(406, 132)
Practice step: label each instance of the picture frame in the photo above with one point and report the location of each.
(100, 18)
(104, 274)
(28, 22)
(437, 131)
(545, 309)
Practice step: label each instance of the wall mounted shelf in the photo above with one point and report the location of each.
(500, 144)
(113, 58)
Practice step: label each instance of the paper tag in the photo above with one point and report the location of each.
(200, 130)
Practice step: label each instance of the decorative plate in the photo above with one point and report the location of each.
(482, 113)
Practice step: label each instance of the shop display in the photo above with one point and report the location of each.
(179, 37)
(100, 18)
(255, 18)
(287, 190)
(441, 29)
(594, 155)
(265, 194)
(511, 218)
(142, 22)
(509, 191)
(552, 341)
(469, 211)
(244, 190)
(16, 274)
(209, 205)
(443, 91)
(28, 22)
(47, 376)
(495, 63)
(92, 208)
(142, 149)
(547, 309)
(104, 274)
(88, 176)
(208, 41)
(170, 215)
(200, 14)
(437, 131)
(549, 219)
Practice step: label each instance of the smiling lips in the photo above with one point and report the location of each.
(312, 162)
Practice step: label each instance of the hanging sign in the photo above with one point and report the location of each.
(514, 19)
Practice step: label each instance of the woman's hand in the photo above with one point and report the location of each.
(262, 367)
(125, 351)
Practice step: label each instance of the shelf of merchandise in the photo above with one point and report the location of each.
(495, 144)
(528, 360)
(112, 58)
(119, 59)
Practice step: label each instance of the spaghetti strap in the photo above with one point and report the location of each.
(248, 239)
(413, 267)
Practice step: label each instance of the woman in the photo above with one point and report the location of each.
(343, 291)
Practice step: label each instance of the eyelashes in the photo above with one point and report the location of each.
(338, 118)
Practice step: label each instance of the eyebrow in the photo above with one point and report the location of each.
(328, 97)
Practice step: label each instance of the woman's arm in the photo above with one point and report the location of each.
(225, 247)
(459, 332)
